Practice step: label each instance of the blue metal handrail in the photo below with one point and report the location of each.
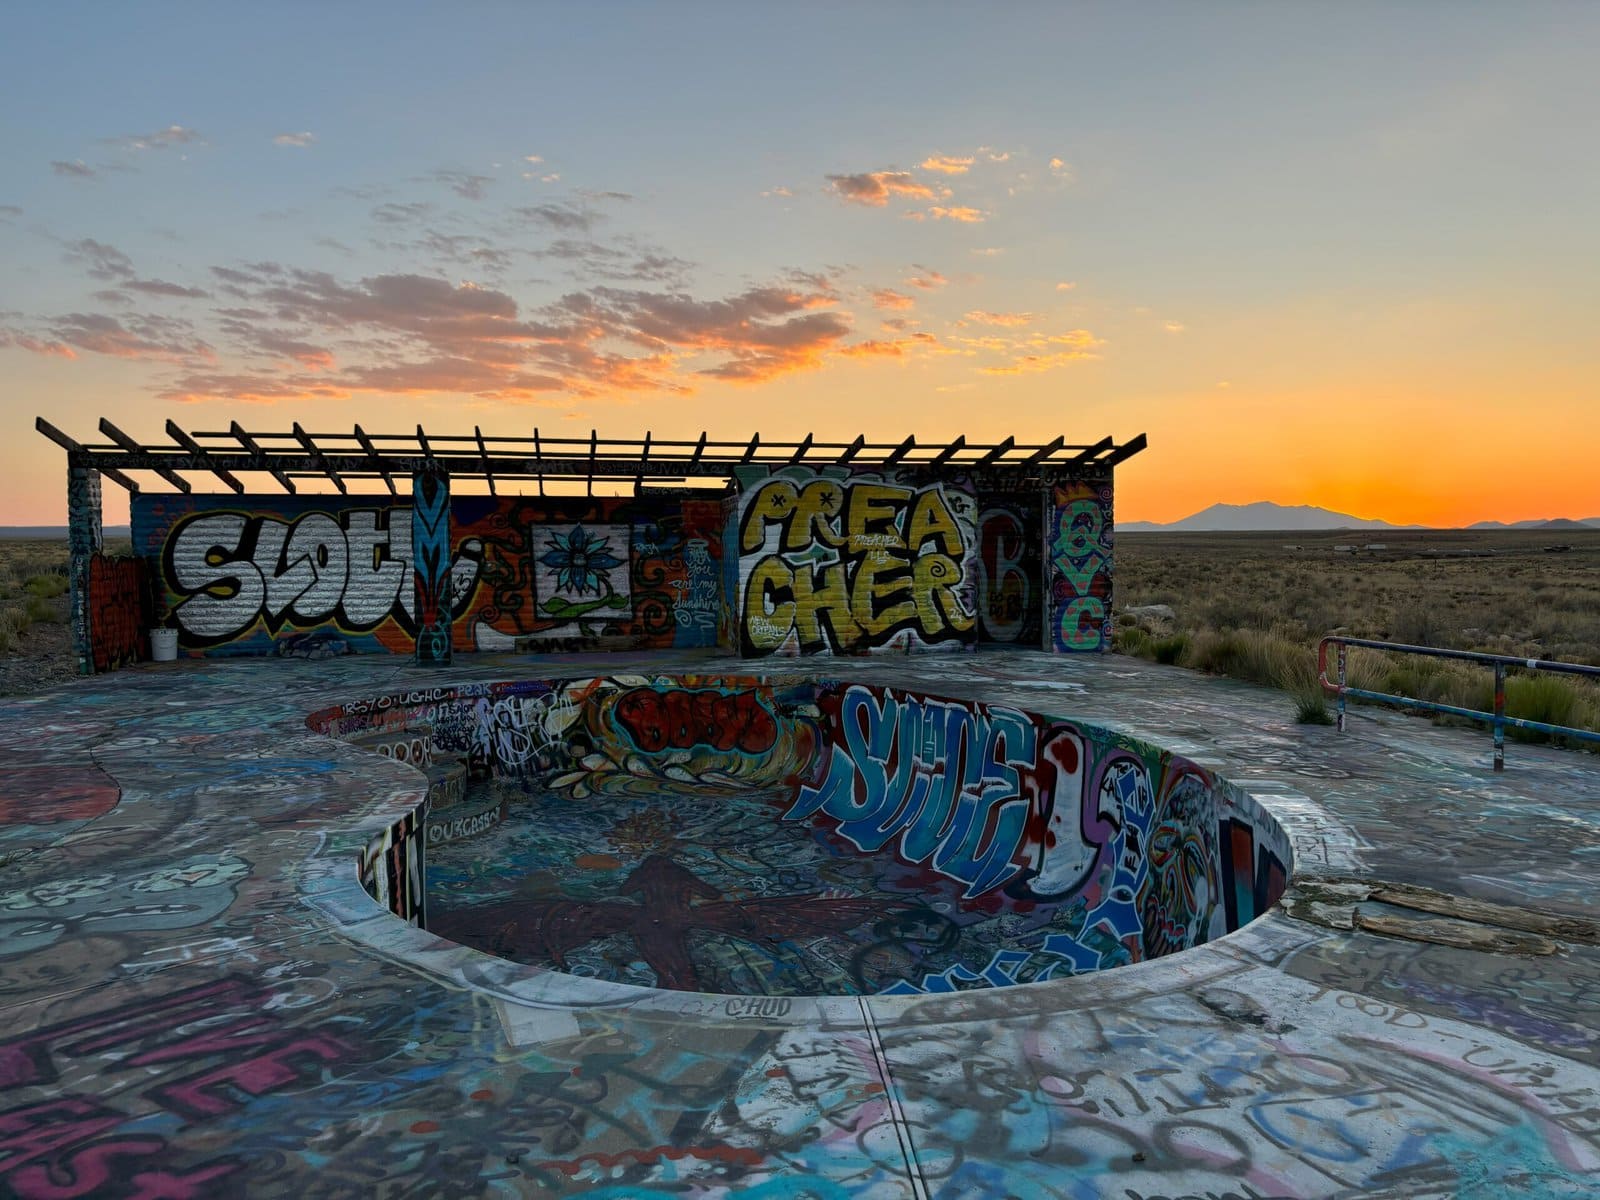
(1497, 719)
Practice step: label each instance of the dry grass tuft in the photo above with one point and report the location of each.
(1253, 607)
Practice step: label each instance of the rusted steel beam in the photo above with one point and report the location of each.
(377, 459)
(56, 436)
(900, 451)
(133, 447)
(176, 433)
(996, 452)
(1043, 452)
(483, 454)
(948, 452)
(315, 452)
(249, 443)
(1126, 450)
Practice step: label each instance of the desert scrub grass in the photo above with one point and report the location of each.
(1133, 641)
(12, 623)
(45, 586)
(1265, 658)
(41, 611)
(1170, 649)
(1552, 700)
(1429, 586)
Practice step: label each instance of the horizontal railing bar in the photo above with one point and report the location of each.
(1532, 664)
(1473, 713)
(1497, 720)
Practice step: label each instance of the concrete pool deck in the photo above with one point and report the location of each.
(199, 999)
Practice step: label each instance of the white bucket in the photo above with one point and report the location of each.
(164, 645)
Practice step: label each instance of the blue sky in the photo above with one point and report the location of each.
(1236, 227)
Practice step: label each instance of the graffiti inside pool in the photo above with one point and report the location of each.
(801, 838)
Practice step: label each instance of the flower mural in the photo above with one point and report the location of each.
(581, 561)
(580, 571)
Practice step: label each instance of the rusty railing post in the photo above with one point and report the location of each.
(1499, 716)
(1341, 687)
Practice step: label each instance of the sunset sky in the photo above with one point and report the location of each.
(1342, 255)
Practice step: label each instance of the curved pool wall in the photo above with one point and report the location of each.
(1130, 851)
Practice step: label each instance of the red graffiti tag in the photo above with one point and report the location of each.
(677, 720)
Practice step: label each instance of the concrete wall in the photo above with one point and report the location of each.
(1079, 546)
(117, 613)
(326, 575)
(853, 562)
(796, 561)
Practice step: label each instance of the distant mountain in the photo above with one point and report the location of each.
(1541, 523)
(51, 533)
(1263, 515)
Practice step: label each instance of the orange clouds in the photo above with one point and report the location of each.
(947, 164)
(874, 188)
(981, 317)
(888, 298)
(970, 216)
(1038, 353)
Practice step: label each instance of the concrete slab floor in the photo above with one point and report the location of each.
(197, 998)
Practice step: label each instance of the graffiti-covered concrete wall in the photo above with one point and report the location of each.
(118, 612)
(792, 561)
(892, 842)
(842, 562)
(1079, 548)
(326, 575)
(1010, 569)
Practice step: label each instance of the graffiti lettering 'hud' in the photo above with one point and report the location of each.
(848, 565)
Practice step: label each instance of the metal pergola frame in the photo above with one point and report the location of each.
(342, 458)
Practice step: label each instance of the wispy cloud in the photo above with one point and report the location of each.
(294, 139)
(873, 188)
(396, 213)
(34, 345)
(776, 192)
(9, 212)
(1049, 352)
(980, 316)
(407, 333)
(1173, 326)
(161, 139)
(1066, 285)
(633, 318)
(76, 169)
(163, 339)
(160, 287)
(559, 216)
(964, 214)
(947, 164)
(464, 184)
(101, 261)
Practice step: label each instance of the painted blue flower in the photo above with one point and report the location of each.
(581, 561)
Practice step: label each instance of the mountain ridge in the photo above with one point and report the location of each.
(1266, 516)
